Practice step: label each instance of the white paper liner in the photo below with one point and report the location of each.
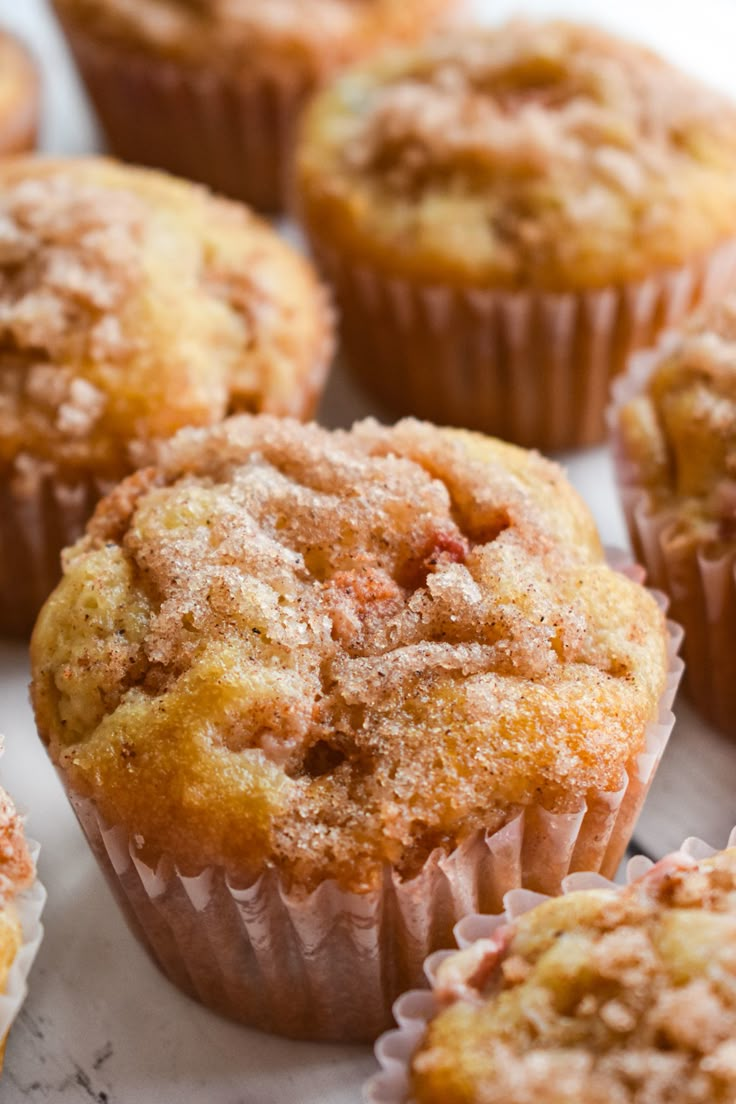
(328, 965)
(530, 367)
(29, 905)
(39, 515)
(413, 1010)
(701, 586)
(236, 135)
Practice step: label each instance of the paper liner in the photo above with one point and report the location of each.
(234, 134)
(329, 964)
(29, 906)
(39, 515)
(413, 1011)
(530, 367)
(700, 584)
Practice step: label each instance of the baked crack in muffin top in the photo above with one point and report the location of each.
(331, 651)
(545, 155)
(310, 38)
(600, 996)
(679, 433)
(132, 304)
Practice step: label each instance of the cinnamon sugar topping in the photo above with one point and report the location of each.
(132, 304)
(332, 650)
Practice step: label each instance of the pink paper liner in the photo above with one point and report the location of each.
(530, 367)
(413, 1010)
(39, 515)
(29, 905)
(329, 964)
(234, 134)
(701, 585)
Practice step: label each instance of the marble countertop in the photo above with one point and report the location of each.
(100, 1024)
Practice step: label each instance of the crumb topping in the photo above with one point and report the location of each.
(679, 433)
(16, 867)
(609, 997)
(547, 154)
(328, 651)
(315, 36)
(132, 304)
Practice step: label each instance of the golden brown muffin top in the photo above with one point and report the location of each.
(132, 304)
(604, 997)
(679, 432)
(544, 155)
(331, 650)
(307, 37)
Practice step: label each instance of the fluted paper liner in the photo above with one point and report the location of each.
(413, 1011)
(701, 586)
(235, 134)
(530, 367)
(329, 964)
(39, 515)
(29, 906)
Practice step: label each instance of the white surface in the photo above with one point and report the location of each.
(100, 1023)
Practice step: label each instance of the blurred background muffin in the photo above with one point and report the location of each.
(213, 89)
(352, 685)
(674, 435)
(19, 97)
(601, 995)
(131, 304)
(505, 215)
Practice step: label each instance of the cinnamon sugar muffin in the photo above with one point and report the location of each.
(675, 440)
(17, 873)
(599, 996)
(19, 97)
(131, 304)
(335, 661)
(220, 84)
(505, 214)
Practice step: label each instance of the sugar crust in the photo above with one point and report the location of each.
(132, 304)
(331, 651)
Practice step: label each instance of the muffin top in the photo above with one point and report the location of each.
(327, 651)
(679, 431)
(132, 304)
(606, 997)
(539, 155)
(314, 37)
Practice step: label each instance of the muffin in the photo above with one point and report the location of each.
(213, 89)
(602, 995)
(506, 214)
(131, 304)
(21, 902)
(314, 695)
(674, 434)
(20, 96)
